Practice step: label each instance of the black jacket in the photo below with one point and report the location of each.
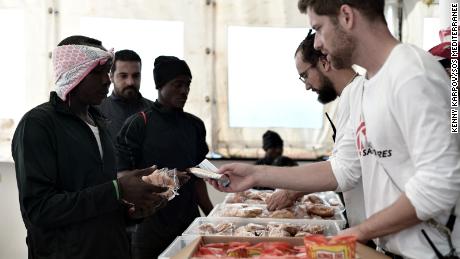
(167, 138)
(67, 199)
(117, 111)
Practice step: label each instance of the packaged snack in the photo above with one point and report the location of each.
(338, 247)
(206, 174)
(165, 178)
(260, 250)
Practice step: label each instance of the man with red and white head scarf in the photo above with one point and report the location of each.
(70, 199)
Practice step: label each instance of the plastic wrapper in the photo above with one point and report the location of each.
(319, 247)
(165, 178)
(248, 197)
(207, 174)
(160, 177)
(327, 198)
(277, 249)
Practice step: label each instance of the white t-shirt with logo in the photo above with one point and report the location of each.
(400, 126)
(346, 158)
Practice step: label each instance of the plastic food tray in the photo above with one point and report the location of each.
(331, 227)
(230, 196)
(177, 245)
(327, 196)
(218, 208)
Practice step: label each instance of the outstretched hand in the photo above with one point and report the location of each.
(242, 177)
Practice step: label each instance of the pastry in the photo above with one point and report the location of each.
(321, 210)
(282, 214)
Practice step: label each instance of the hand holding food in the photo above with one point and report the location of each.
(165, 178)
(135, 191)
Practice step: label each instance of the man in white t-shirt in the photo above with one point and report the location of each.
(316, 72)
(399, 126)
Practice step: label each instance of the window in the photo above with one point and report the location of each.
(263, 85)
(147, 38)
(390, 18)
(431, 27)
(12, 67)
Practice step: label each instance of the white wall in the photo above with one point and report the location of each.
(12, 230)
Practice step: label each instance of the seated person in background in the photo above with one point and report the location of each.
(284, 161)
(273, 146)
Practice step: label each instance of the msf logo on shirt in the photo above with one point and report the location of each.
(364, 147)
(361, 138)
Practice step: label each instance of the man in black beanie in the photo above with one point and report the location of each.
(166, 136)
(167, 68)
(273, 146)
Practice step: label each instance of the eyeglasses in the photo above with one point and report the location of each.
(304, 75)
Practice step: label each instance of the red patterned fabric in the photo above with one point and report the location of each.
(72, 63)
(442, 50)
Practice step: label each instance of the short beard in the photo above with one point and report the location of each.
(326, 93)
(344, 46)
(130, 93)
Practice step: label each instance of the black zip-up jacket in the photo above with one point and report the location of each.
(67, 198)
(117, 110)
(166, 138)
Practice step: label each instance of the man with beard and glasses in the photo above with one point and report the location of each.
(125, 99)
(168, 137)
(399, 129)
(317, 74)
(70, 199)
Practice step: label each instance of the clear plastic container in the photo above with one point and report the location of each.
(331, 198)
(330, 228)
(250, 196)
(222, 210)
(177, 245)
